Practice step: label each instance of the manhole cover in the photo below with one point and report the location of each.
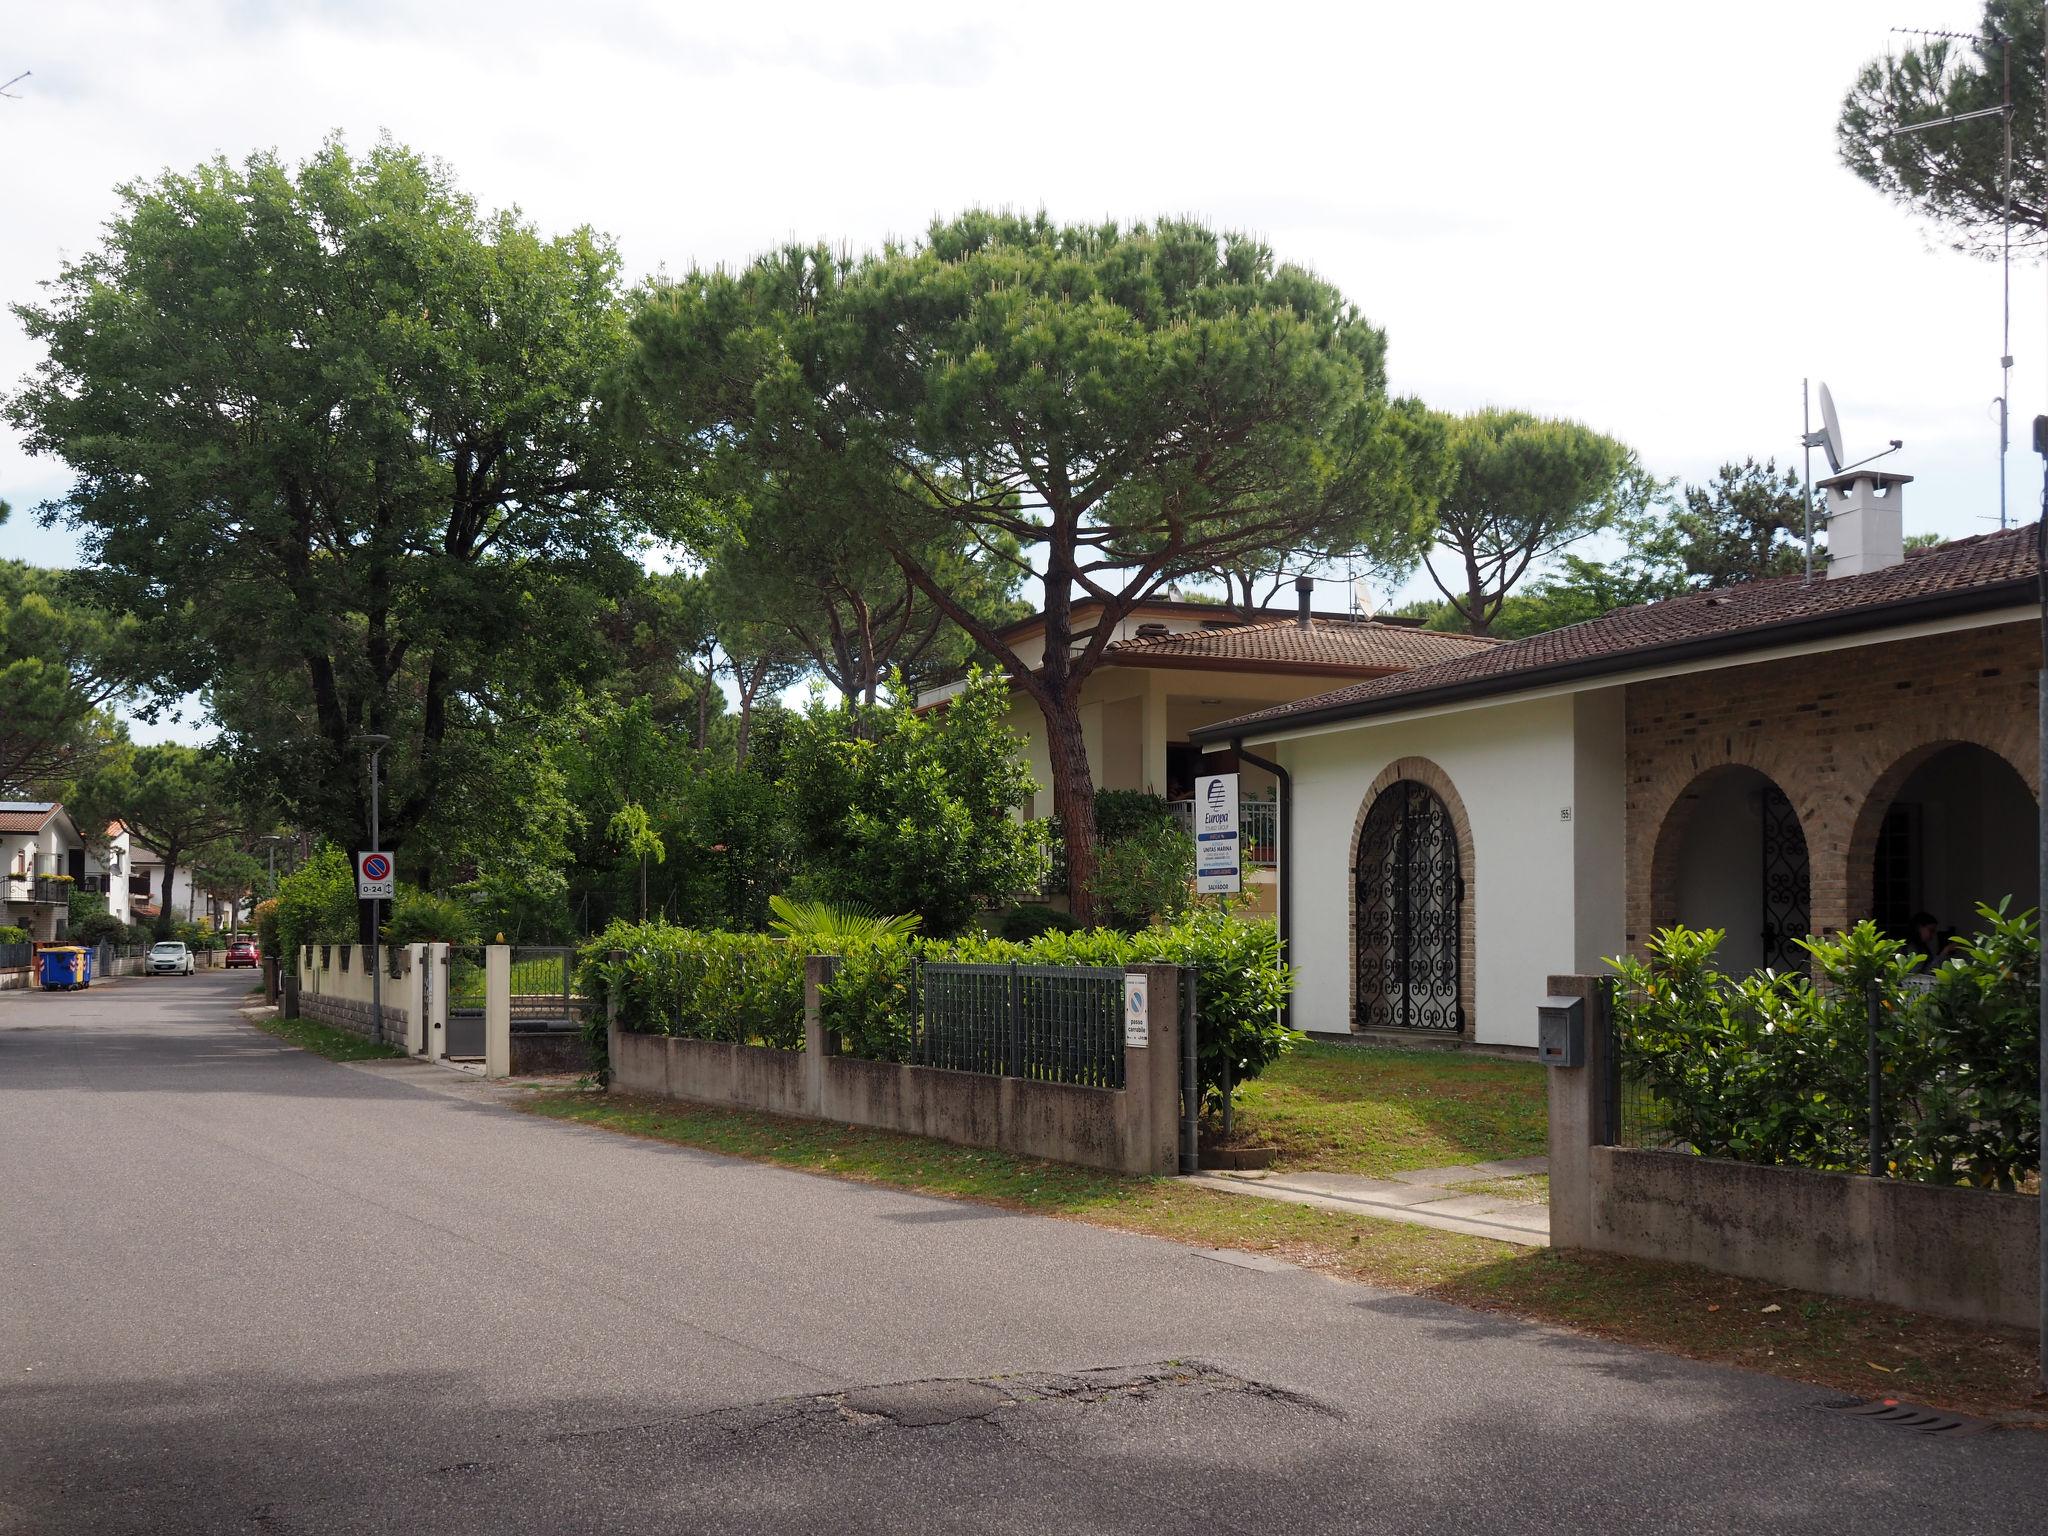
(1243, 1260)
(1892, 1413)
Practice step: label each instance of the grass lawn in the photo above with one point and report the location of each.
(1859, 1348)
(1362, 1109)
(325, 1040)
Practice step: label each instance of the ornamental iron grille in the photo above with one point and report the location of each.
(1788, 902)
(1410, 897)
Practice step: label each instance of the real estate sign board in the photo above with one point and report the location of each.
(1217, 861)
(376, 877)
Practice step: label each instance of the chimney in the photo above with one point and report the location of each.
(1865, 529)
(1305, 589)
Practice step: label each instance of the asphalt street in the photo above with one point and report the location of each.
(245, 1289)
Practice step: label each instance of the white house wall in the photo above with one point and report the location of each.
(1545, 806)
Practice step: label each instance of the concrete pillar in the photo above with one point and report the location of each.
(817, 1044)
(434, 984)
(497, 1010)
(1152, 1075)
(1578, 1117)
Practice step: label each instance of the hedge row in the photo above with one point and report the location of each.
(1773, 1068)
(749, 988)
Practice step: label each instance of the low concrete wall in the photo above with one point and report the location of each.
(549, 1052)
(1134, 1129)
(1965, 1253)
(335, 988)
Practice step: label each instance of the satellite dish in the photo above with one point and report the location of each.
(1830, 432)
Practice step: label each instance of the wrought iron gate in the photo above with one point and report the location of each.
(1788, 884)
(465, 987)
(1410, 894)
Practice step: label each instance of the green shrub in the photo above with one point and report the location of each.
(95, 928)
(1022, 923)
(12, 935)
(743, 987)
(316, 904)
(1128, 812)
(1145, 875)
(265, 917)
(1240, 984)
(1773, 1069)
(422, 917)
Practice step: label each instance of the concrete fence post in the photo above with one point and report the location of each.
(818, 970)
(497, 1010)
(1152, 1071)
(434, 987)
(1578, 1117)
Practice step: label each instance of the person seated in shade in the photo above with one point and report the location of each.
(1929, 939)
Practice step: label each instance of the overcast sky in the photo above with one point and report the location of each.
(1628, 214)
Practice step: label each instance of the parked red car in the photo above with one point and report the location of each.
(244, 952)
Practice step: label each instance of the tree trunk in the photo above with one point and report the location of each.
(165, 918)
(1073, 801)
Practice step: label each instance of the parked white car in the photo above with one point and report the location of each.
(170, 958)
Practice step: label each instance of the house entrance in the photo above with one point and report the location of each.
(1962, 829)
(1408, 901)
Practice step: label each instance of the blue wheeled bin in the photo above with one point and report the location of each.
(65, 967)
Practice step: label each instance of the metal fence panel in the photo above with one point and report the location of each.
(1049, 1023)
(15, 957)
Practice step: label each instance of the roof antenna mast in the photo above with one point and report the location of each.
(2002, 111)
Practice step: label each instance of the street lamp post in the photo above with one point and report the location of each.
(376, 744)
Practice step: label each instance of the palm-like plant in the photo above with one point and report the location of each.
(822, 922)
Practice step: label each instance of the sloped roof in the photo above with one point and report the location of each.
(1337, 646)
(1991, 570)
(27, 815)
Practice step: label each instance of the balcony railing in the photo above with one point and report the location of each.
(39, 890)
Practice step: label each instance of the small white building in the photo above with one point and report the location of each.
(107, 872)
(43, 859)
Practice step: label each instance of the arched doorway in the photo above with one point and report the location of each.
(1961, 828)
(1732, 855)
(1409, 903)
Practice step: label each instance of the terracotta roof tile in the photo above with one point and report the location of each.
(26, 815)
(1729, 619)
(1326, 644)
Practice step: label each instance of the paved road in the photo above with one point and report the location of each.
(243, 1289)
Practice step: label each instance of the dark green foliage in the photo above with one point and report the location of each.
(743, 987)
(1123, 405)
(1145, 875)
(1953, 176)
(1121, 812)
(1241, 982)
(421, 917)
(1772, 1068)
(316, 904)
(333, 444)
(918, 813)
(59, 667)
(9, 934)
(1027, 921)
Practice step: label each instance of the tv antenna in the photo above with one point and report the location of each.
(2002, 111)
(1827, 437)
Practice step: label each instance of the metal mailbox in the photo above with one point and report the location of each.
(1561, 1032)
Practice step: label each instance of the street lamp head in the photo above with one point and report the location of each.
(369, 739)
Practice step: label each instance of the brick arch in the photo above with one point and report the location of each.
(1884, 789)
(1675, 822)
(1421, 770)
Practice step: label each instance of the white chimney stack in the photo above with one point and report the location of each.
(1865, 529)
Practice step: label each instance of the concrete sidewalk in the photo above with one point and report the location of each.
(1423, 1197)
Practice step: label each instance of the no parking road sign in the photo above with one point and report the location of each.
(376, 877)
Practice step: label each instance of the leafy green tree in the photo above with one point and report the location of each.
(918, 814)
(803, 565)
(226, 870)
(1745, 523)
(59, 673)
(1130, 405)
(1521, 489)
(334, 440)
(177, 799)
(1953, 176)
(316, 904)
